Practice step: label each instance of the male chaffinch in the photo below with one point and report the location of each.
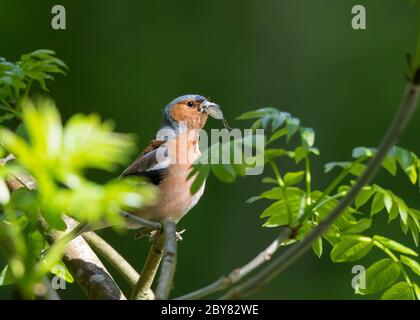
(167, 161)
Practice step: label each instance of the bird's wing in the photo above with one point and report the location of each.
(147, 164)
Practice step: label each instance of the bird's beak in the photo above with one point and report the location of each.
(212, 109)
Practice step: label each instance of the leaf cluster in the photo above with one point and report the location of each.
(294, 203)
(59, 157)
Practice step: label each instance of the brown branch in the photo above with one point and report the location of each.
(115, 260)
(149, 270)
(89, 272)
(238, 274)
(112, 256)
(167, 272)
(278, 265)
(121, 265)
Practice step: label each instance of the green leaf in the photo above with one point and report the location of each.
(364, 195)
(393, 213)
(317, 247)
(92, 143)
(272, 194)
(6, 277)
(363, 152)
(399, 291)
(278, 120)
(381, 275)
(403, 210)
(53, 219)
(417, 290)
(26, 201)
(332, 165)
(278, 219)
(278, 212)
(292, 127)
(224, 172)
(407, 162)
(412, 264)
(4, 192)
(300, 153)
(351, 248)
(314, 151)
(404, 226)
(377, 204)
(252, 199)
(60, 270)
(276, 193)
(390, 164)
(39, 65)
(357, 169)
(343, 189)
(308, 136)
(277, 208)
(394, 245)
(359, 226)
(265, 121)
(255, 114)
(277, 135)
(44, 126)
(6, 117)
(388, 201)
(292, 178)
(414, 230)
(270, 154)
(269, 180)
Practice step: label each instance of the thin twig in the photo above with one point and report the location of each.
(147, 275)
(408, 105)
(236, 275)
(115, 260)
(141, 221)
(167, 272)
(113, 257)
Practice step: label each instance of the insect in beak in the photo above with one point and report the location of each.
(213, 110)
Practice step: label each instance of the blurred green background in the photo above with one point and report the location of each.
(127, 59)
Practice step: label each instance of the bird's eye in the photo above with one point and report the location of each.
(190, 104)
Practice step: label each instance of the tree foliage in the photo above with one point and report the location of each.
(294, 203)
(58, 156)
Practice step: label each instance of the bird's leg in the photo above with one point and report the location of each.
(153, 234)
(145, 232)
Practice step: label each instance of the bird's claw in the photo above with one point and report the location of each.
(153, 234)
(178, 235)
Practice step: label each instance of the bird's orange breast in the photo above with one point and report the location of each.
(175, 199)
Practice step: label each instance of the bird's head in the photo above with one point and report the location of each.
(191, 110)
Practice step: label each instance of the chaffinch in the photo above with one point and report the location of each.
(167, 161)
